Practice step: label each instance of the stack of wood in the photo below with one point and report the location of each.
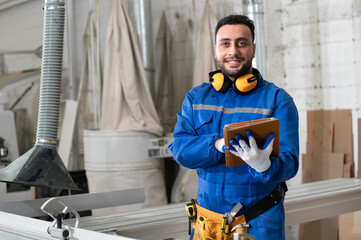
(329, 154)
(349, 224)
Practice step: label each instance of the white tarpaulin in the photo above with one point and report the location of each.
(164, 71)
(86, 109)
(89, 96)
(204, 58)
(126, 101)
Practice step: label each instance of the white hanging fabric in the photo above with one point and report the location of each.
(164, 71)
(86, 108)
(204, 58)
(126, 100)
(89, 97)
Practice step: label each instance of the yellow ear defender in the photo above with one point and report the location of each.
(241, 85)
(245, 83)
(220, 82)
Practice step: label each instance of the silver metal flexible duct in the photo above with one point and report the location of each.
(142, 17)
(51, 71)
(254, 10)
(41, 165)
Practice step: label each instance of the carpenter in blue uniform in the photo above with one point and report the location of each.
(198, 134)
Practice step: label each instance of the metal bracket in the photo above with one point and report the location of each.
(59, 231)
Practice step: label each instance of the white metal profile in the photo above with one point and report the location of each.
(303, 203)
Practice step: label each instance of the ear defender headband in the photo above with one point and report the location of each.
(241, 85)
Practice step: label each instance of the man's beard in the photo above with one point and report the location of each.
(244, 69)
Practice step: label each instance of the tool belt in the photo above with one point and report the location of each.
(209, 225)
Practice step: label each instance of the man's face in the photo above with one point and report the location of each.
(234, 50)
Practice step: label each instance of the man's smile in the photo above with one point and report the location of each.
(233, 62)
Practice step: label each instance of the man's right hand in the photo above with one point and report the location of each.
(219, 144)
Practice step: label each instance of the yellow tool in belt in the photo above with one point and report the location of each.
(228, 218)
(192, 215)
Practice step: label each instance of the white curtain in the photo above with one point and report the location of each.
(204, 58)
(164, 70)
(126, 100)
(89, 96)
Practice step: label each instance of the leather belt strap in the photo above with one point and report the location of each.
(213, 220)
(267, 203)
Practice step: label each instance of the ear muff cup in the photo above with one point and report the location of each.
(220, 82)
(241, 85)
(245, 83)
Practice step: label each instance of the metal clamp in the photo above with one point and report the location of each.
(240, 226)
(59, 231)
(237, 236)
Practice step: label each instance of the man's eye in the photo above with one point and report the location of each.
(224, 44)
(241, 44)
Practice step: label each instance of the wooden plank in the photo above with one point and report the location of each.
(342, 132)
(328, 132)
(320, 136)
(349, 226)
(326, 229)
(359, 147)
(323, 165)
(347, 170)
(67, 131)
(304, 163)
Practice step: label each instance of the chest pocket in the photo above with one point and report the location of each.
(203, 122)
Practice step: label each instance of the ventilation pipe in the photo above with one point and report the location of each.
(42, 166)
(254, 10)
(142, 17)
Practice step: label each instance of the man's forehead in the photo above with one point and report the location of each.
(233, 31)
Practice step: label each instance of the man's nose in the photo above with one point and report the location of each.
(232, 50)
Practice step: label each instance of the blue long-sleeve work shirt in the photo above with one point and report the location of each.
(200, 123)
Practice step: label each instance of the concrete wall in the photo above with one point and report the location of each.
(314, 53)
(313, 46)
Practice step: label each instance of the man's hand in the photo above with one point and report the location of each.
(257, 158)
(219, 144)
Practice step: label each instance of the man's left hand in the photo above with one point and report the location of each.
(257, 158)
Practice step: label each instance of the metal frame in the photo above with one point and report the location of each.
(303, 203)
(318, 200)
(79, 202)
(18, 227)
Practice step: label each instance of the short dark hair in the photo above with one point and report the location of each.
(234, 20)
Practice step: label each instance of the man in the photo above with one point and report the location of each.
(199, 143)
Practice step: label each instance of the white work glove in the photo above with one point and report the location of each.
(256, 158)
(220, 145)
